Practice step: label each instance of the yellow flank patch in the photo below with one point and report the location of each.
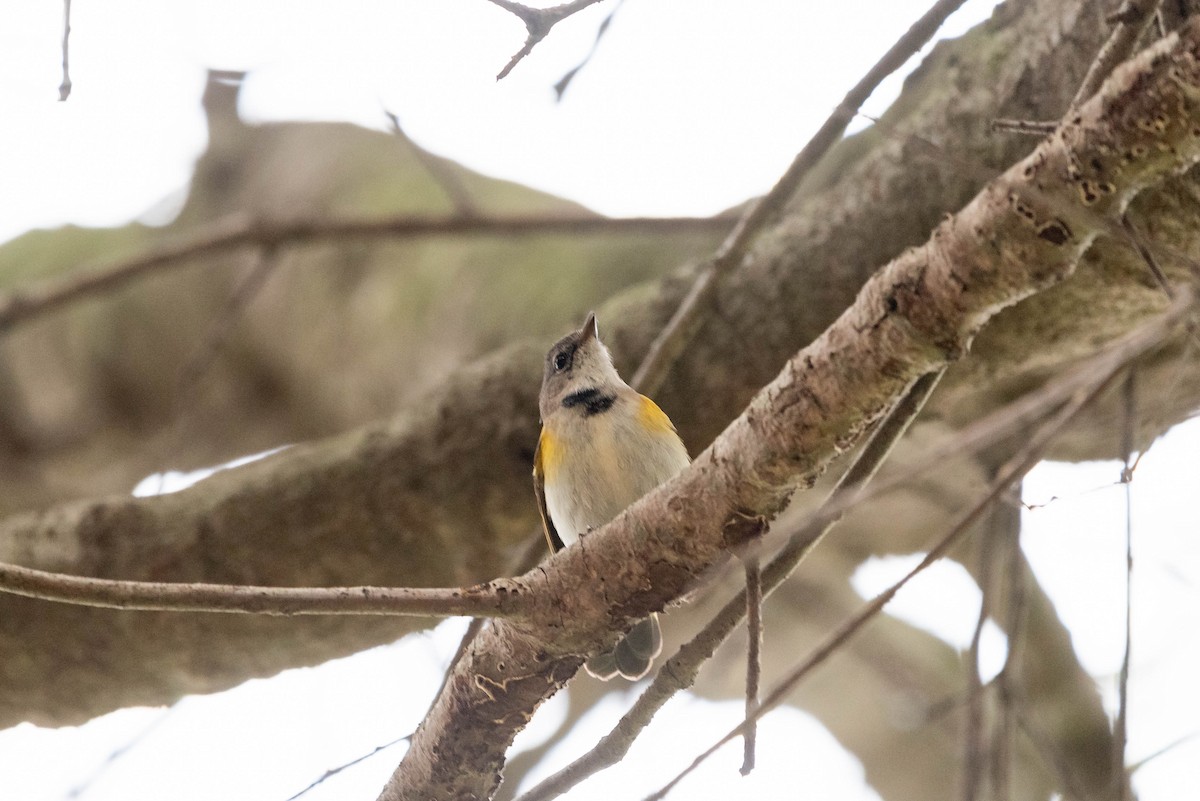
(653, 418)
(549, 454)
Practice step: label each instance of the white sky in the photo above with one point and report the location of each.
(688, 108)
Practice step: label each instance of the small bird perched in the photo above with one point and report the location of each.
(603, 446)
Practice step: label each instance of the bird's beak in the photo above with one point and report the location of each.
(589, 330)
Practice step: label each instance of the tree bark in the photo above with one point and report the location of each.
(440, 495)
(1023, 233)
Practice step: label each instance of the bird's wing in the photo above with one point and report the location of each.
(539, 489)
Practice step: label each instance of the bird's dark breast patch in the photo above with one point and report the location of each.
(591, 401)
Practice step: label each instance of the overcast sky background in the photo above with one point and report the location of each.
(687, 108)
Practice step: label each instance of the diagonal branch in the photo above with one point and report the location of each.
(1024, 232)
(681, 670)
(1132, 19)
(1020, 464)
(687, 319)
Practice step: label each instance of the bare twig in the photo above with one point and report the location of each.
(1031, 127)
(238, 231)
(64, 88)
(447, 179)
(1134, 237)
(973, 749)
(329, 774)
(493, 599)
(1005, 681)
(560, 88)
(1171, 15)
(1120, 727)
(670, 343)
(1016, 467)
(1134, 16)
(86, 784)
(538, 23)
(1141, 763)
(754, 601)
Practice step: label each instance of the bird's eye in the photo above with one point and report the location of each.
(561, 360)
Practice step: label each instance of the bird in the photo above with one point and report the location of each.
(603, 445)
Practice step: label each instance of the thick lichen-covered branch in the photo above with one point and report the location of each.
(1024, 232)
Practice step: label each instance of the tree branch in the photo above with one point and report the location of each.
(64, 88)
(680, 671)
(1024, 232)
(1134, 17)
(238, 231)
(499, 598)
(1016, 467)
(688, 317)
(538, 22)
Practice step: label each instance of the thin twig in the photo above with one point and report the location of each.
(1134, 237)
(973, 742)
(560, 87)
(1170, 16)
(1016, 467)
(1135, 15)
(1030, 127)
(1120, 728)
(1005, 681)
(493, 599)
(64, 88)
(1141, 763)
(336, 770)
(86, 784)
(238, 231)
(538, 23)
(754, 601)
(468, 637)
(689, 316)
(448, 179)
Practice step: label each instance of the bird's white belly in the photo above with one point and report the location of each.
(608, 467)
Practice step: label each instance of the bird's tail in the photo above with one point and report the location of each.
(632, 656)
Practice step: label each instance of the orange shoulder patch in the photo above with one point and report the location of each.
(549, 454)
(653, 418)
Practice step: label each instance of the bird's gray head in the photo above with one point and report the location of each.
(579, 374)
